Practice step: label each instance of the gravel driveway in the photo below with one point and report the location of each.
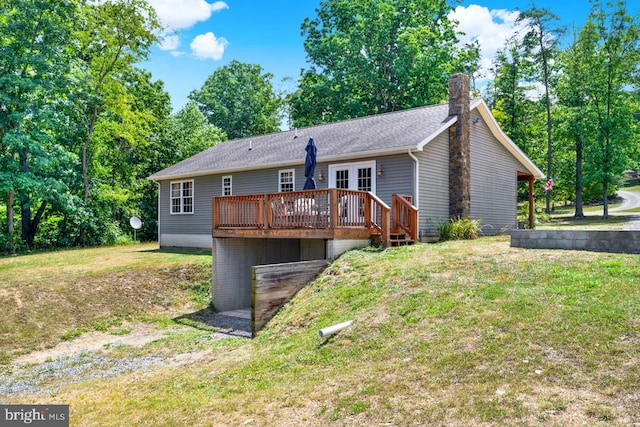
(88, 356)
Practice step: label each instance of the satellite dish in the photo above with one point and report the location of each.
(135, 222)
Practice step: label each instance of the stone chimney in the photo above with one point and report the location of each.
(459, 147)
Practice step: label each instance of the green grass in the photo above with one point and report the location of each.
(49, 297)
(588, 222)
(455, 333)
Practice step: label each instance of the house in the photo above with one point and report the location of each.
(391, 176)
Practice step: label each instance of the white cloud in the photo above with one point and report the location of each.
(169, 42)
(181, 14)
(490, 27)
(208, 46)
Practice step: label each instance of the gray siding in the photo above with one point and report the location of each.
(434, 184)
(494, 181)
(199, 222)
(397, 179)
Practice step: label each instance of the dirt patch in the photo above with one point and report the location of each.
(140, 335)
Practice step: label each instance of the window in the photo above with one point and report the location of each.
(226, 185)
(364, 178)
(286, 179)
(342, 178)
(182, 197)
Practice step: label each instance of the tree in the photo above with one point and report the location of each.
(375, 56)
(575, 121)
(611, 43)
(240, 100)
(508, 97)
(191, 133)
(35, 47)
(116, 35)
(541, 40)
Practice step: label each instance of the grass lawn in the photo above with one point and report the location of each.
(49, 297)
(586, 223)
(456, 333)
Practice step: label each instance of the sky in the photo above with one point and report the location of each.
(203, 35)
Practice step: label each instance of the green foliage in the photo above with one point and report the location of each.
(610, 43)
(75, 115)
(517, 114)
(376, 56)
(460, 229)
(35, 59)
(239, 99)
(191, 133)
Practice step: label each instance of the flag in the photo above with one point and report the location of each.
(548, 185)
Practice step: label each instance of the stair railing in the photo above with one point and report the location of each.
(405, 215)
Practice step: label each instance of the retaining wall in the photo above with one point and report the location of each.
(583, 240)
(272, 286)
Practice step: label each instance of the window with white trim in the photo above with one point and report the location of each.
(182, 197)
(286, 179)
(227, 189)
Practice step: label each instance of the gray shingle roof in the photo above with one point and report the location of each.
(380, 134)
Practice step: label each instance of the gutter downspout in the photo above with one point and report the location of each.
(158, 225)
(416, 180)
(416, 177)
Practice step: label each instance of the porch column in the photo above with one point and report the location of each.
(532, 221)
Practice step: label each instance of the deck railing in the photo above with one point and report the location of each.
(405, 215)
(310, 209)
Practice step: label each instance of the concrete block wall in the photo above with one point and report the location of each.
(624, 241)
(232, 262)
(233, 259)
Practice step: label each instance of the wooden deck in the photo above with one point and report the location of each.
(313, 214)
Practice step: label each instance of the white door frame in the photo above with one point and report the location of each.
(353, 173)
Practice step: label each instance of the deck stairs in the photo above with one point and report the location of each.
(400, 238)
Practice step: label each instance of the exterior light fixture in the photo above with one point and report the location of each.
(379, 170)
(320, 176)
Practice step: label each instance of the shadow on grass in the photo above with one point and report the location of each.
(591, 222)
(208, 320)
(179, 251)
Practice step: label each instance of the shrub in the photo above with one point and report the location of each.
(460, 229)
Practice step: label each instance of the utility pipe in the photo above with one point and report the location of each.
(330, 330)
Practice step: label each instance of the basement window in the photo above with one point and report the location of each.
(182, 197)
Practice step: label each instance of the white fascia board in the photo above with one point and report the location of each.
(445, 125)
(495, 129)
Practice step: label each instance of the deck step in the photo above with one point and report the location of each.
(397, 238)
(400, 239)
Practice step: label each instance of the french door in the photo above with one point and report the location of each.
(353, 176)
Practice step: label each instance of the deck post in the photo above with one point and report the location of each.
(333, 208)
(532, 222)
(266, 212)
(367, 211)
(386, 232)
